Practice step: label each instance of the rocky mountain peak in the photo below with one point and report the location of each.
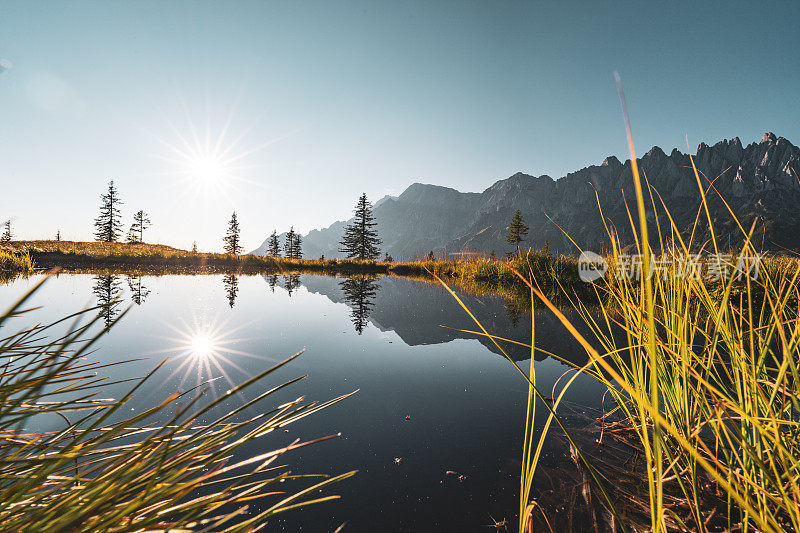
(759, 183)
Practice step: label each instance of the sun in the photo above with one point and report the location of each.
(207, 169)
(207, 162)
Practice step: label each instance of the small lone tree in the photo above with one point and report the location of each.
(194, 247)
(388, 258)
(108, 225)
(58, 235)
(140, 223)
(431, 257)
(517, 230)
(231, 239)
(7, 234)
(288, 246)
(273, 246)
(360, 241)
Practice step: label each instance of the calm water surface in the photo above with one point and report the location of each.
(382, 336)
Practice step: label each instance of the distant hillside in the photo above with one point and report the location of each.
(758, 181)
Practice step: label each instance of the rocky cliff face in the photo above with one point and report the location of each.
(759, 182)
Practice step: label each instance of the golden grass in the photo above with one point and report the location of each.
(705, 378)
(14, 262)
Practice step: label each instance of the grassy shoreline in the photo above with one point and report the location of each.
(491, 274)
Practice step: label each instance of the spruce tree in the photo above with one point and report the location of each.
(517, 230)
(360, 241)
(108, 225)
(273, 246)
(288, 246)
(231, 239)
(7, 234)
(58, 235)
(140, 223)
(297, 247)
(194, 247)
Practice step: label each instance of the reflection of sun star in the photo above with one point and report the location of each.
(202, 345)
(204, 350)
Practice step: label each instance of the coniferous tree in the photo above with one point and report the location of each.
(58, 235)
(231, 239)
(108, 225)
(388, 258)
(297, 246)
(273, 245)
(360, 241)
(194, 247)
(288, 246)
(517, 230)
(7, 234)
(140, 223)
(431, 257)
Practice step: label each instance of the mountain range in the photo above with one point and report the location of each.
(758, 181)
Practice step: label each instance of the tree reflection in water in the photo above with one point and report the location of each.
(106, 289)
(291, 282)
(359, 293)
(231, 282)
(272, 281)
(139, 291)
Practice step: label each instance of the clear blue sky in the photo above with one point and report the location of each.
(337, 98)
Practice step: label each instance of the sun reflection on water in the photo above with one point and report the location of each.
(204, 350)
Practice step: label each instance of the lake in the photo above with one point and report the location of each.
(437, 399)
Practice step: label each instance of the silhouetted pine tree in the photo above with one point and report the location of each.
(140, 223)
(231, 239)
(273, 246)
(388, 258)
(517, 230)
(360, 241)
(194, 247)
(108, 225)
(288, 246)
(7, 234)
(297, 247)
(58, 235)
